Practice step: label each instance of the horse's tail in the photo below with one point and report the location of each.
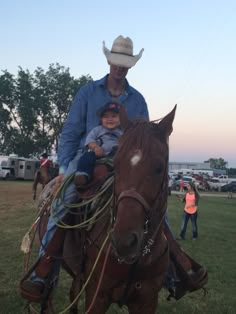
(35, 183)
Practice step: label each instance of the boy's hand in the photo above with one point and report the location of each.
(98, 151)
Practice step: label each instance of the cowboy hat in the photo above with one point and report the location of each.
(121, 53)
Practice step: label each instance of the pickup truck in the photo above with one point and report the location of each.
(224, 178)
(215, 184)
(5, 173)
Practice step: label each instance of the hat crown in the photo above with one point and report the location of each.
(121, 53)
(123, 46)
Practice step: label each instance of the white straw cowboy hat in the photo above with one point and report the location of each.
(121, 53)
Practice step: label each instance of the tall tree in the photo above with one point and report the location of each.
(33, 108)
(217, 163)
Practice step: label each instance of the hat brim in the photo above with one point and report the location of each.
(121, 60)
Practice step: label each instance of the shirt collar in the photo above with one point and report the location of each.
(102, 82)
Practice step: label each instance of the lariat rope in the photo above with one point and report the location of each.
(27, 245)
(97, 215)
(90, 275)
(26, 241)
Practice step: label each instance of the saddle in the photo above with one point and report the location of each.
(101, 173)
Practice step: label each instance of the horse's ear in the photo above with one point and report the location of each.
(125, 122)
(165, 125)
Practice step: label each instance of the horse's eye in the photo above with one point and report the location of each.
(158, 169)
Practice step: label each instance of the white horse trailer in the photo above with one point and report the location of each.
(20, 167)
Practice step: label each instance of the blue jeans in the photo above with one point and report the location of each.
(184, 224)
(86, 164)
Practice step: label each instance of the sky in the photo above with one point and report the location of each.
(189, 58)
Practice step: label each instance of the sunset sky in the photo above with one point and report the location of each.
(189, 58)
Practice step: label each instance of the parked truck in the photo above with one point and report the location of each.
(223, 178)
(5, 173)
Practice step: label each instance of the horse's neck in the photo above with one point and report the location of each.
(100, 230)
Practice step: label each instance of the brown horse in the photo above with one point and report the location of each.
(43, 176)
(123, 256)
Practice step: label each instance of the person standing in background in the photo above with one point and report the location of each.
(191, 200)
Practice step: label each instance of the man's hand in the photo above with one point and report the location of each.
(58, 182)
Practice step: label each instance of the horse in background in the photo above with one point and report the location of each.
(43, 176)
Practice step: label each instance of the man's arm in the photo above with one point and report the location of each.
(74, 128)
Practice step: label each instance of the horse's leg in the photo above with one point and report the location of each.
(74, 292)
(141, 306)
(98, 306)
(34, 190)
(144, 297)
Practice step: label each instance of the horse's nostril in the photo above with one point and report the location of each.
(132, 240)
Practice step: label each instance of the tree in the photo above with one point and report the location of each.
(33, 108)
(217, 163)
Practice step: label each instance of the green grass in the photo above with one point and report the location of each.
(215, 249)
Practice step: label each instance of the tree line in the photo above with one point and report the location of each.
(33, 108)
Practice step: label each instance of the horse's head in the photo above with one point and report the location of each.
(141, 183)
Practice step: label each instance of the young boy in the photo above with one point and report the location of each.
(101, 141)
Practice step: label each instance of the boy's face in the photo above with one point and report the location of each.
(110, 120)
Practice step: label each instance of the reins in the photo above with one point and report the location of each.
(148, 209)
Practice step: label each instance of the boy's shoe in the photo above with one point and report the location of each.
(80, 180)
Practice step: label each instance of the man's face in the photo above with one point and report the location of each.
(118, 72)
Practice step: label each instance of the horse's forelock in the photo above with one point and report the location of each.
(141, 135)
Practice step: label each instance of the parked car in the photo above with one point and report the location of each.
(186, 180)
(215, 184)
(229, 187)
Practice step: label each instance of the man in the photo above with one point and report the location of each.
(46, 162)
(81, 120)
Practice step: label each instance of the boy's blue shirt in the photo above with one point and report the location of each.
(107, 139)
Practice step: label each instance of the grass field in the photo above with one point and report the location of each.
(215, 249)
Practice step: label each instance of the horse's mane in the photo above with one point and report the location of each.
(141, 133)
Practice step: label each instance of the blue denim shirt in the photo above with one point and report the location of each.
(83, 116)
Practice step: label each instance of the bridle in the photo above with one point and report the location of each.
(148, 209)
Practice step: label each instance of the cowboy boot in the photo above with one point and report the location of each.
(32, 290)
(188, 274)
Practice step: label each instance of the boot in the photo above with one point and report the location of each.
(32, 290)
(80, 180)
(188, 275)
